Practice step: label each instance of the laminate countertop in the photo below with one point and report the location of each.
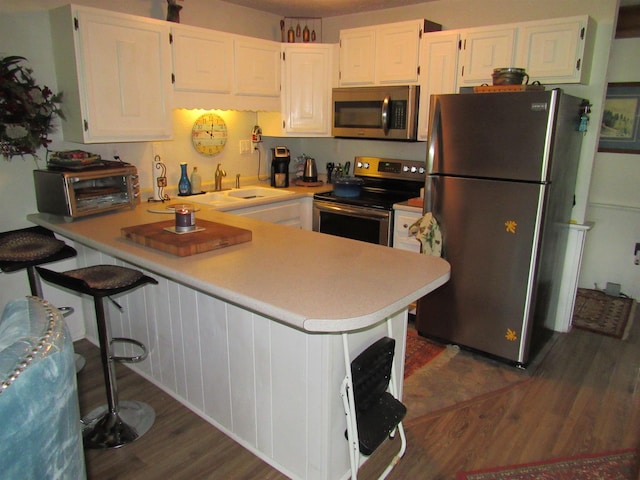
(308, 280)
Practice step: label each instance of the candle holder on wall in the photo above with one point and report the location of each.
(301, 29)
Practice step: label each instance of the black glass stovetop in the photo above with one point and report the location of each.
(373, 197)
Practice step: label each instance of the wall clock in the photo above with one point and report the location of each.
(209, 134)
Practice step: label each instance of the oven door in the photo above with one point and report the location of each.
(351, 221)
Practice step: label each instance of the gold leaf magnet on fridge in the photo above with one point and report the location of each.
(511, 226)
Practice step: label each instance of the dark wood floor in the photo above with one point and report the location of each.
(583, 398)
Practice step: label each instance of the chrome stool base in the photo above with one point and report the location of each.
(105, 429)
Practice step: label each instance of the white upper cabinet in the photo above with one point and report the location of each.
(397, 51)
(115, 73)
(553, 51)
(306, 89)
(220, 70)
(438, 65)
(257, 67)
(484, 49)
(307, 79)
(557, 50)
(382, 54)
(357, 56)
(202, 60)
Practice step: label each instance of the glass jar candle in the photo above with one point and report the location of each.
(185, 217)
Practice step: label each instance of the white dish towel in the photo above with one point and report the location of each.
(427, 231)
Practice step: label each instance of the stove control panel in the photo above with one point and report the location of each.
(390, 168)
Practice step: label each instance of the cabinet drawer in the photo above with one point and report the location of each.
(403, 222)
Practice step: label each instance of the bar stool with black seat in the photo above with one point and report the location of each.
(26, 248)
(117, 423)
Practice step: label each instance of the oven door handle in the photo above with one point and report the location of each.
(352, 211)
(385, 115)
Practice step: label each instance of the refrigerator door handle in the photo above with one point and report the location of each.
(433, 137)
(428, 194)
(433, 134)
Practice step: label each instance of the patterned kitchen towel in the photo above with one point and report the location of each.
(427, 231)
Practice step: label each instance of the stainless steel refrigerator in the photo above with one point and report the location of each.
(501, 172)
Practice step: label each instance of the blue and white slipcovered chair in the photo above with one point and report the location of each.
(40, 430)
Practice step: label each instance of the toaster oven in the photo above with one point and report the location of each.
(80, 193)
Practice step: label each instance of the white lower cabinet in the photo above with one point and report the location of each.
(402, 220)
(291, 213)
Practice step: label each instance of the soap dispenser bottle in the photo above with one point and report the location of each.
(196, 181)
(184, 185)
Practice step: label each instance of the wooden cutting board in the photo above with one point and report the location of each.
(214, 236)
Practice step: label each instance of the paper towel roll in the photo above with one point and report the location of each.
(159, 176)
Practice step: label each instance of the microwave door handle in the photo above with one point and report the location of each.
(385, 115)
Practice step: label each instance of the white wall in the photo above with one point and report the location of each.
(24, 30)
(614, 199)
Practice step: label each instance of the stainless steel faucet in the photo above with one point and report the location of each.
(218, 178)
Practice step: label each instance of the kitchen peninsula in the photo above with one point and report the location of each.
(248, 336)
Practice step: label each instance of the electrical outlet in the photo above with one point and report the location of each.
(245, 146)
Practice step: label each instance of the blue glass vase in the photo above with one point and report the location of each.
(184, 185)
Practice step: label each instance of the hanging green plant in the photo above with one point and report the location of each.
(26, 110)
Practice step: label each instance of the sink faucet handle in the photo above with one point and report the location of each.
(237, 180)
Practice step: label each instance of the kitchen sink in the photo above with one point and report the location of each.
(257, 192)
(214, 198)
(238, 196)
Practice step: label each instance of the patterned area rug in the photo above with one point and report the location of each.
(419, 352)
(620, 465)
(601, 313)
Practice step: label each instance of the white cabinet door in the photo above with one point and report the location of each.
(484, 49)
(397, 50)
(284, 213)
(114, 70)
(402, 220)
(257, 67)
(439, 53)
(306, 90)
(202, 60)
(357, 56)
(554, 51)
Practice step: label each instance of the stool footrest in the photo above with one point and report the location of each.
(66, 311)
(134, 358)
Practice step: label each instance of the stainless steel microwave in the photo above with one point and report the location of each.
(385, 113)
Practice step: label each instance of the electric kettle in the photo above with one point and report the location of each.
(310, 173)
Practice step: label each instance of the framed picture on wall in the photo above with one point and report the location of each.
(619, 132)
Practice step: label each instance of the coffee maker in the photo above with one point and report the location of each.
(280, 159)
